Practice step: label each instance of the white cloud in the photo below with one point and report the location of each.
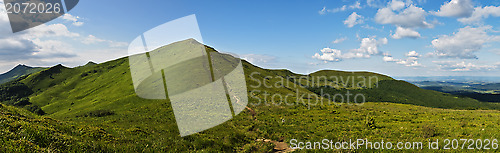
(353, 19)
(53, 49)
(257, 58)
(410, 61)
(369, 27)
(397, 5)
(340, 9)
(74, 19)
(388, 58)
(463, 66)
(328, 54)
(405, 33)
(53, 30)
(356, 5)
(91, 39)
(464, 43)
(481, 13)
(26, 45)
(375, 3)
(410, 17)
(322, 11)
(412, 54)
(368, 47)
(456, 8)
(46, 44)
(339, 40)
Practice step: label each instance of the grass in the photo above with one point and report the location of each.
(23, 131)
(406, 93)
(94, 108)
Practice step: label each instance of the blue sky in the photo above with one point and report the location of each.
(398, 38)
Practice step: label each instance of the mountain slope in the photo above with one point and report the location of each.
(17, 72)
(23, 131)
(103, 96)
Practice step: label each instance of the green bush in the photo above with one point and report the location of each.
(98, 113)
(429, 131)
(370, 122)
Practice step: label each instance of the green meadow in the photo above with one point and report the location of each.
(94, 108)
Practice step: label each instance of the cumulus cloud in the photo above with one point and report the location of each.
(463, 66)
(405, 33)
(353, 20)
(481, 13)
(45, 44)
(328, 54)
(53, 30)
(75, 19)
(409, 17)
(356, 5)
(388, 58)
(339, 40)
(464, 43)
(411, 60)
(28, 44)
(53, 49)
(368, 47)
(412, 54)
(397, 5)
(456, 8)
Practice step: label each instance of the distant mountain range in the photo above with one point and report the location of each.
(488, 79)
(18, 71)
(482, 91)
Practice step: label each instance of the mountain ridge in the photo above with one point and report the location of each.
(17, 72)
(103, 96)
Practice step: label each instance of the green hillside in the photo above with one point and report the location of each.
(102, 97)
(17, 72)
(406, 93)
(23, 131)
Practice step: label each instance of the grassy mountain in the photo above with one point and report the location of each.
(23, 131)
(102, 97)
(406, 93)
(17, 72)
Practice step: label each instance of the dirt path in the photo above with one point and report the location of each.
(281, 147)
